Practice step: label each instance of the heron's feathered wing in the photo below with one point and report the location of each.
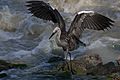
(44, 11)
(89, 20)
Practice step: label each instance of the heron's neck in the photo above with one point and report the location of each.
(58, 36)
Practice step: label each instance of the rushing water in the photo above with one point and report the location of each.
(24, 38)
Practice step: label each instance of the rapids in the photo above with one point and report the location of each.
(25, 38)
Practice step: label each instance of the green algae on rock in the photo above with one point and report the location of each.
(2, 75)
(4, 65)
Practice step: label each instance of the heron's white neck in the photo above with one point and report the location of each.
(57, 37)
(58, 34)
(57, 30)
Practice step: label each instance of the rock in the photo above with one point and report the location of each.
(78, 68)
(55, 59)
(104, 69)
(89, 60)
(100, 69)
(114, 76)
(20, 66)
(88, 66)
(2, 75)
(4, 65)
(80, 64)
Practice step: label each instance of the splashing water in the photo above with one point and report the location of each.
(24, 38)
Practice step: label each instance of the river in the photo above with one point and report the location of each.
(24, 38)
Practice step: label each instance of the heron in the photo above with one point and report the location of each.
(69, 39)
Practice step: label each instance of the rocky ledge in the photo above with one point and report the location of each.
(89, 65)
(4, 65)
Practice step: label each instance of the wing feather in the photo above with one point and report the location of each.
(44, 11)
(89, 20)
(100, 26)
(93, 21)
(93, 24)
(86, 20)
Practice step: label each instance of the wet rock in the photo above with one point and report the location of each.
(80, 65)
(60, 64)
(86, 67)
(104, 69)
(114, 76)
(2, 75)
(89, 60)
(88, 64)
(84, 77)
(55, 59)
(4, 65)
(20, 66)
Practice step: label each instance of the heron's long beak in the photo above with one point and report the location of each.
(52, 35)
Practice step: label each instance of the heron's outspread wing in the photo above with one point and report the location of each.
(89, 20)
(83, 20)
(44, 11)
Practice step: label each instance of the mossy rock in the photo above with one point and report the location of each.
(4, 65)
(85, 67)
(77, 68)
(2, 62)
(113, 76)
(2, 75)
(20, 66)
(105, 69)
(55, 59)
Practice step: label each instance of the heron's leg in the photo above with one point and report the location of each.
(66, 62)
(66, 55)
(71, 69)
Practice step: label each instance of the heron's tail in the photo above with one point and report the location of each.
(80, 42)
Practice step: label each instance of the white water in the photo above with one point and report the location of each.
(24, 38)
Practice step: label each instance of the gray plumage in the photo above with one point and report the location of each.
(69, 40)
(83, 20)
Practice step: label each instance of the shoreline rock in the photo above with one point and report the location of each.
(89, 65)
(4, 65)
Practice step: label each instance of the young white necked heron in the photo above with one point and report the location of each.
(69, 40)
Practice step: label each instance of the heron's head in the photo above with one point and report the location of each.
(56, 30)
